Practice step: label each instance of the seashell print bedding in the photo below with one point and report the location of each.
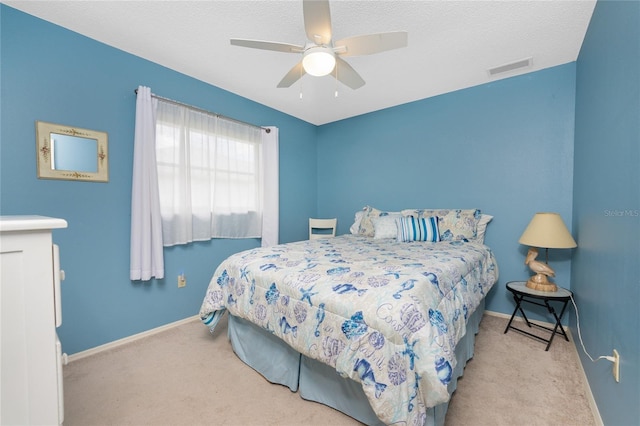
(386, 314)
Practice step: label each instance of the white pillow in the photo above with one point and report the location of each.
(366, 224)
(385, 226)
(356, 224)
(482, 227)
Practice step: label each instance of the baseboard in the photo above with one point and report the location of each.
(518, 318)
(592, 402)
(129, 339)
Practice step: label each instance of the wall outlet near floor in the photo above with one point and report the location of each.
(616, 365)
(182, 281)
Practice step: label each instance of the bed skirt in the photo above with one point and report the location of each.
(280, 364)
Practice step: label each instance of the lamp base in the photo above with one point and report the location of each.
(540, 282)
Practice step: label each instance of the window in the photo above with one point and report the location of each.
(209, 175)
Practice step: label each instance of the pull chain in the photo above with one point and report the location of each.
(335, 95)
(301, 83)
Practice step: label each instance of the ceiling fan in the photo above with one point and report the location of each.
(320, 55)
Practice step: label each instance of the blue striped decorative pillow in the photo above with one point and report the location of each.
(412, 228)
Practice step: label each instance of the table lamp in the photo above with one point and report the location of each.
(546, 230)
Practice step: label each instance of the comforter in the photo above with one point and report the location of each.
(384, 313)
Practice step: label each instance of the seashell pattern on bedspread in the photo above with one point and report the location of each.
(384, 313)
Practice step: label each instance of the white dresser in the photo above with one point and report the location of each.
(30, 352)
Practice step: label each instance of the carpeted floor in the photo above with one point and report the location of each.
(186, 376)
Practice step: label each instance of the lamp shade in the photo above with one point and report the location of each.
(547, 230)
(318, 61)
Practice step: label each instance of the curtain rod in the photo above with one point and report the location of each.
(205, 111)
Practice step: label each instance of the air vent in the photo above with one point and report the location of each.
(523, 63)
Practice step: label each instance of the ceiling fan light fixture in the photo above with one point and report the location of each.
(319, 61)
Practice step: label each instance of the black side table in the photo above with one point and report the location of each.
(522, 293)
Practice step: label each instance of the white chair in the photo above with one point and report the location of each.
(322, 228)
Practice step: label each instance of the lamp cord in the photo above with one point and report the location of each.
(575, 307)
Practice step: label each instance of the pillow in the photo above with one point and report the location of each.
(459, 225)
(425, 212)
(356, 222)
(385, 226)
(411, 228)
(453, 225)
(482, 227)
(366, 224)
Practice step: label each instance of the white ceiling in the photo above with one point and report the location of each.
(452, 44)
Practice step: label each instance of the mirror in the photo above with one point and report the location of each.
(71, 153)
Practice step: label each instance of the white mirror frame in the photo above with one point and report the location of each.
(44, 157)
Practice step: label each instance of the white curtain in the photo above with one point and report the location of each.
(146, 227)
(270, 215)
(211, 177)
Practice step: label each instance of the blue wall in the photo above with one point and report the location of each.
(505, 148)
(51, 74)
(606, 216)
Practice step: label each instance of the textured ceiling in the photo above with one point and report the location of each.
(452, 44)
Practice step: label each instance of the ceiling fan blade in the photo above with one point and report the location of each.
(268, 45)
(317, 21)
(347, 75)
(371, 43)
(292, 76)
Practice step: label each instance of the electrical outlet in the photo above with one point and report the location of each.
(616, 365)
(182, 281)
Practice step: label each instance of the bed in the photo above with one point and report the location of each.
(376, 324)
